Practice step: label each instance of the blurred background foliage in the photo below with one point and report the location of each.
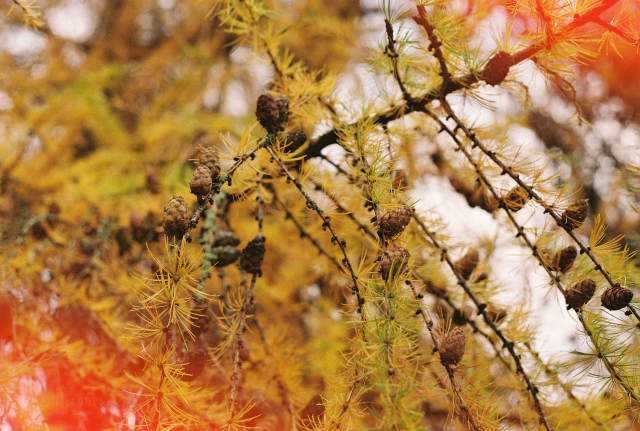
(104, 107)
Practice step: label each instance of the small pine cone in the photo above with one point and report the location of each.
(175, 220)
(201, 181)
(195, 366)
(576, 214)
(202, 322)
(615, 298)
(294, 140)
(451, 349)
(581, 293)
(463, 315)
(267, 112)
(563, 259)
(225, 237)
(497, 68)
(210, 159)
(153, 182)
(393, 262)
(283, 108)
(225, 255)
(468, 263)
(394, 221)
(400, 180)
(516, 199)
(252, 255)
(495, 314)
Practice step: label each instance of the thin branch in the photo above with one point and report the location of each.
(532, 193)
(327, 225)
(521, 233)
(393, 55)
(421, 103)
(236, 351)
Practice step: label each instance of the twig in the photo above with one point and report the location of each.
(393, 55)
(464, 409)
(305, 234)
(327, 225)
(236, 351)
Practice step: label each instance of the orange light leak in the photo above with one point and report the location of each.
(615, 35)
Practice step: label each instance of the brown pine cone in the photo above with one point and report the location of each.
(576, 214)
(615, 298)
(475, 196)
(580, 294)
(467, 264)
(267, 112)
(210, 159)
(393, 262)
(202, 322)
(400, 180)
(516, 199)
(563, 259)
(194, 365)
(175, 220)
(201, 181)
(252, 255)
(463, 315)
(451, 349)
(495, 314)
(497, 68)
(224, 237)
(225, 255)
(153, 182)
(394, 221)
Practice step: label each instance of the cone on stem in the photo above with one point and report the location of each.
(563, 260)
(617, 297)
(467, 264)
(580, 294)
(175, 219)
(516, 199)
(201, 181)
(211, 160)
(252, 255)
(497, 68)
(451, 349)
(393, 262)
(393, 222)
(576, 214)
